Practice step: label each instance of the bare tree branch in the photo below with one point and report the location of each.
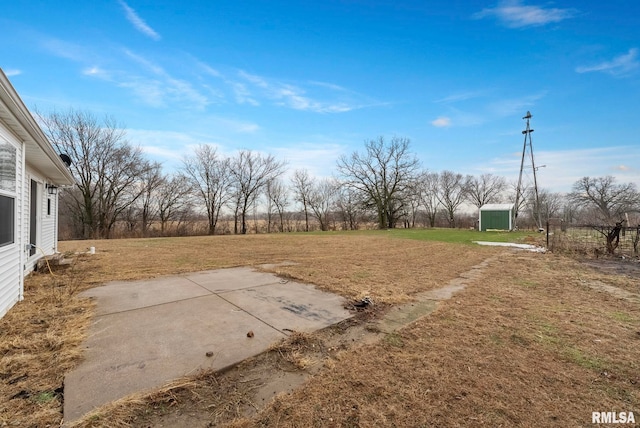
(381, 175)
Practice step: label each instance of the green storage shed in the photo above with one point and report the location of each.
(496, 217)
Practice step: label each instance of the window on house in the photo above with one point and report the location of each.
(7, 167)
(7, 223)
(7, 193)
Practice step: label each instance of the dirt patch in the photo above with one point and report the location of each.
(623, 274)
(614, 291)
(618, 266)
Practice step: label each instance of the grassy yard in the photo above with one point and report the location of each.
(536, 341)
(454, 236)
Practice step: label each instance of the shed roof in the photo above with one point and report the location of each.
(39, 151)
(496, 207)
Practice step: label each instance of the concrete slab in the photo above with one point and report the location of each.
(231, 279)
(127, 295)
(150, 332)
(290, 306)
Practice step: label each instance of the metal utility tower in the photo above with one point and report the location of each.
(527, 143)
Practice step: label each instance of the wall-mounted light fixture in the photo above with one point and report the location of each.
(51, 189)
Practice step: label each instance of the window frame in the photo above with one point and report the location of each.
(11, 194)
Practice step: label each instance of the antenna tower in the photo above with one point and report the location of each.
(527, 147)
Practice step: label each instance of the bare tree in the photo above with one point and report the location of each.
(522, 201)
(210, 178)
(485, 189)
(237, 204)
(150, 181)
(106, 167)
(381, 175)
(276, 193)
(348, 206)
(321, 201)
(412, 199)
(551, 204)
(611, 200)
(173, 200)
(302, 184)
(251, 172)
(452, 191)
(428, 185)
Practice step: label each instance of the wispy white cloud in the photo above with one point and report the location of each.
(138, 22)
(294, 96)
(496, 109)
(149, 91)
(238, 126)
(166, 147)
(317, 155)
(162, 153)
(622, 168)
(462, 96)
(256, 80)
(619, 66)
(153, 85)
(95, 71)
(513, 106)
(66, 50)
(514, 14)
(441, 122)
(242, 93)
(151, 66)
(12, 72)
(331, 86)
(208, 69)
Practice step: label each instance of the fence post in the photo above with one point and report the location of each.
(547, 234)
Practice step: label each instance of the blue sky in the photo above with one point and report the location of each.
(309, 81)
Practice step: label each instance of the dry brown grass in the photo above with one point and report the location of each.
(296, 349)
(40, 337)
(389, 270)
(532, 343)
(39, 342)
(529, 345)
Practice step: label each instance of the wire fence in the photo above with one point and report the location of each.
(593, 240)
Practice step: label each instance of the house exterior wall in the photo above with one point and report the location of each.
(25, 149)
(15, 258)
(45, 238)
(49, 222)
(11, 275)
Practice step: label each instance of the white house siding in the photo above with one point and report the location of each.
(43, 245)
(9, 276)
(35, 158)
(49, 223)
(10, 263)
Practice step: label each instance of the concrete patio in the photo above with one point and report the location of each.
(147, 333)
